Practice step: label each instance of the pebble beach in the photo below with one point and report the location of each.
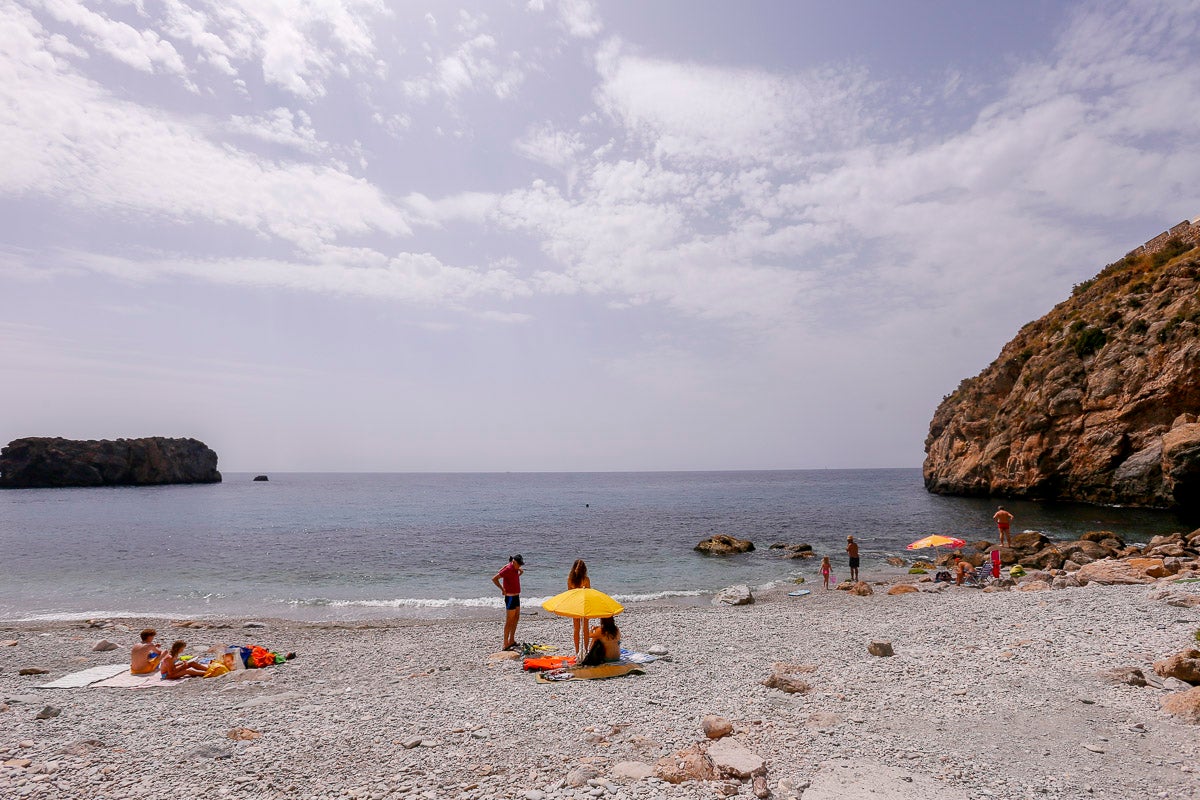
(987, 695)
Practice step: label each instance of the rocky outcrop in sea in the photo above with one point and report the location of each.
(1097, 401)
(40, 462)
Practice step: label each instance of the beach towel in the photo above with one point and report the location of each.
(86, 677)
(630, 657)
(547, 662)
(126, 680)
(589, 673)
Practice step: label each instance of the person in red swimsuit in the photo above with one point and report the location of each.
(1003, 522)
(508, 581)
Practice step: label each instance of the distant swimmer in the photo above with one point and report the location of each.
(1003, 522)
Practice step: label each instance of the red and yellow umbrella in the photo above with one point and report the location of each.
(936, 541)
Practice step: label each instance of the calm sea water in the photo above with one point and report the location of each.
(356, 546)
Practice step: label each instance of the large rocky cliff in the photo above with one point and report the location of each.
(44, 462)
(1097, 401)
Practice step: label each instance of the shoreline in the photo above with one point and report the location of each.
(995, 695)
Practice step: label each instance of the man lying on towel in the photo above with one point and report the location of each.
(146, 654)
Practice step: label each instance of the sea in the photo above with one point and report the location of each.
(362, 546)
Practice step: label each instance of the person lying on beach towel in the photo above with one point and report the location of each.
(146, 654)
(174, 667)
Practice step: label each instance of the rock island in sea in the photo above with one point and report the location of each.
(44, 462)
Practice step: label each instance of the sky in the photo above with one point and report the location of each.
(545, 235)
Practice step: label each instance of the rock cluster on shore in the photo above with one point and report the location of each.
(41, 462)
(1096, 401)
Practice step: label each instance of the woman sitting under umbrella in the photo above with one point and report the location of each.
(606, 643)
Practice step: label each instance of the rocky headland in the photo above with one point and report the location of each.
(42, 462)
(1094, 402)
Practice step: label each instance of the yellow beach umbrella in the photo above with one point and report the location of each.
(936, 541)
(583, 603)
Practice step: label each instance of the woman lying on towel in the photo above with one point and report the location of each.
(606, 644)
(174, 667)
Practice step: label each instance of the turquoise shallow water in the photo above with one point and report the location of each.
(327, 546)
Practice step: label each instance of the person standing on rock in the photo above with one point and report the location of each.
(852, 552)
(508, 581)
(1004, 522)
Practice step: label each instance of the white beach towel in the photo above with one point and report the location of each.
(129, 681)
(86, 677)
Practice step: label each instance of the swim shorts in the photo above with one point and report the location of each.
(512, 601)
(1003, 526)
(854, 563)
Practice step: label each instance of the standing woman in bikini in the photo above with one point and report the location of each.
(577, 578)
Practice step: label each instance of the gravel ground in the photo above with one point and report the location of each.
(993, 695)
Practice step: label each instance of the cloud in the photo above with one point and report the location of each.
(143, 50)
(67, 138)
(719, 114)
(475, 65)
(280, 126)
(415, 278)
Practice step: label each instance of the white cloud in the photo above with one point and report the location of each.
(67, 138)
(418, 278)
(475, 65)
(580, 18)
(143, 50)
(717, 114)
(280, 126)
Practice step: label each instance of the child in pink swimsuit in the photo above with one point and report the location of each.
(825, 569)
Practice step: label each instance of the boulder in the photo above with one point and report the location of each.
(799, 548)
(580, 775)
(1033, 586)
(1099, 536)
(862, 589)
(689, 764)
(260, 478)
(731, 759)
(1150, 567)
(903, 588)
(1092, 550)
(1130, 676)
(40, 462)
(1008, 556)
(1047, 558)
(631, 771)
(1185, 705)
(1107, 572)
(736, 595)
(716, 727)
(721, 545)
(1184, 666)
(1029, 541)
(103, 646)
(881, 649)
(894, 561)
(784, 677)
(1072, 566)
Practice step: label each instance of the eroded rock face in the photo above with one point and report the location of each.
(1096, 401)
(39, 462)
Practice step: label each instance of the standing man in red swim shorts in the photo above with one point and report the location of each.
(508, 581)
(1003, 521)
